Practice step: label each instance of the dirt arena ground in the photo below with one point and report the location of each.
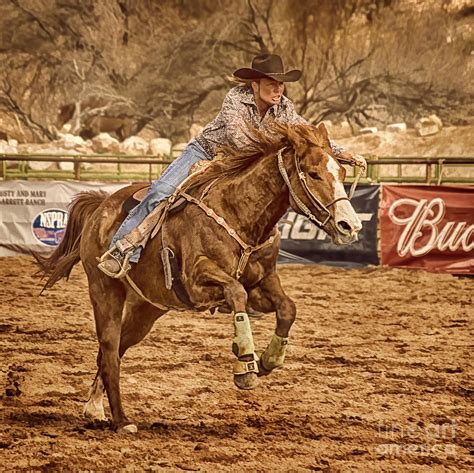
(378, 378)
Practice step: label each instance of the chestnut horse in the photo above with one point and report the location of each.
(225, 243)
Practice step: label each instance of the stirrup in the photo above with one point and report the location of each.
(121, 258)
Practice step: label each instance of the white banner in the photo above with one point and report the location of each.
(33, 213)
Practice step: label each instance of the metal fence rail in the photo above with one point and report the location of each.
(434, 172)
(155, 167)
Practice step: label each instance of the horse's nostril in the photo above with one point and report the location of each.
(344, 226)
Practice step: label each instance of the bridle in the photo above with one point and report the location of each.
(313, 199)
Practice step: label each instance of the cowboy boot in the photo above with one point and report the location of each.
(116, 261)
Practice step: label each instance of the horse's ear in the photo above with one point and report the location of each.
(324, 133)
(296, 138)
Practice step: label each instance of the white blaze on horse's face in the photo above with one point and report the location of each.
(346, 222)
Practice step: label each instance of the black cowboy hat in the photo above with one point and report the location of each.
(268, 66)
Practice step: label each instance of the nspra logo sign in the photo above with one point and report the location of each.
(49, 226)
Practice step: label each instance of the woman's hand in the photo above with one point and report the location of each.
(354, 160)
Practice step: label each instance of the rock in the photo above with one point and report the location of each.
(427, 126)
(437, 120)
(160, 147)
(368, 130)
(8, 147)
(148, 133)
(43, 149)
(397, 128)
(49, 151)
(134, 145)
(66, 166)
(426, 130)
(68, 141)
(104, 143)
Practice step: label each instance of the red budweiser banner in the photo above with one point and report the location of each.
(430, 227)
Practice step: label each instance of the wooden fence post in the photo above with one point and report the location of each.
(77, 169)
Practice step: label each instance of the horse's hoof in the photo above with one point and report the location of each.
(246, 380)
(261, 370)
(93, 413)
(128, 429)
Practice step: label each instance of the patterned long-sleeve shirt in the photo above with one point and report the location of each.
(239, 110)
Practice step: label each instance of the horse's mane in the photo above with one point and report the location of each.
(231, 161)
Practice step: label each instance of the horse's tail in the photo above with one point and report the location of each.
(60, 263)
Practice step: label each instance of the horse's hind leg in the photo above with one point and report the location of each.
(94, 408)
(108, 299)
(136, 324)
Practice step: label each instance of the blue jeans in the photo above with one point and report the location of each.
(161, 189)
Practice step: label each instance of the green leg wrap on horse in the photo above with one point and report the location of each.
(243, 367)
(274, 355)
(243, 339)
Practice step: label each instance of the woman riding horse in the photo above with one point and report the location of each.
(257, 103)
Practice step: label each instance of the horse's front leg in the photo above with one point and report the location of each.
(268, 296)
(208, 274)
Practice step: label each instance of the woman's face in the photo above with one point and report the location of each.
(269, 90)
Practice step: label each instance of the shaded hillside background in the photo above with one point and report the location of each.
(166, 64)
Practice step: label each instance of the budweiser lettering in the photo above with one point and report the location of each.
(424, 232)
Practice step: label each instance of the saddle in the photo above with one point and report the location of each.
(134, 199)
(171, 264)
(140, 194)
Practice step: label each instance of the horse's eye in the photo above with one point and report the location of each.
(314, 175)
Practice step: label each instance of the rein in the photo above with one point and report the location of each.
(314, 200)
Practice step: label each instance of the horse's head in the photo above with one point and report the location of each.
(317, 184)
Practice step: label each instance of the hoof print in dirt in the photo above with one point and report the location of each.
(159, 426)
(14, 381)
